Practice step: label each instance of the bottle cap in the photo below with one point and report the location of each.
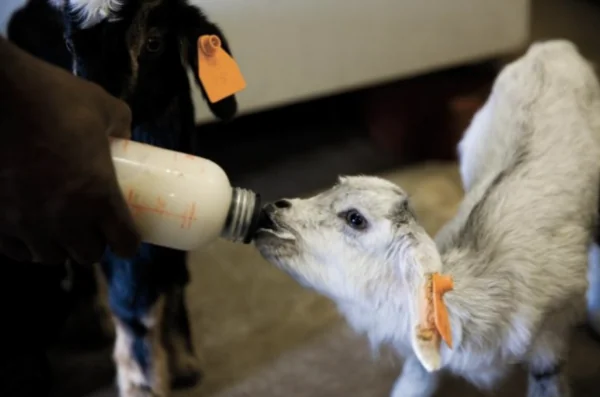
(255, 222)
(243, 218)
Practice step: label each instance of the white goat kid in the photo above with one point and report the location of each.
(516, 251)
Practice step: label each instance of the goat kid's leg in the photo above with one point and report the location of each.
(184, 366)
(415, 381)
(153, 349)
(140, 357)
(593, 295)
(548, 381)
(136, 297)
(547, 374)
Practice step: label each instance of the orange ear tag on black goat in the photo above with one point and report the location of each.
(219, 73)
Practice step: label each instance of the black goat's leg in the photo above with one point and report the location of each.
(140, 358)
(547, 374)
(145, 299)
(136, 298)
(184, 366)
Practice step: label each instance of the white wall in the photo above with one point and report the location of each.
(6, 9)
(291, 50)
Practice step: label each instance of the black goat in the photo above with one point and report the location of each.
(137, 50)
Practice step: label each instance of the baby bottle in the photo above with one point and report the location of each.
(181, 201)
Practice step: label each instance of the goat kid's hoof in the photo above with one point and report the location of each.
(134, 384)
(141, 391)
(185, 371)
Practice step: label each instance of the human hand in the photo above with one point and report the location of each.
(59, 196)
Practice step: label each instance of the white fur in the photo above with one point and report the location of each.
(131, 379)
(517, 248)
(91, 12)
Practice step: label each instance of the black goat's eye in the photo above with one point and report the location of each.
(355, 220)
(153, 44)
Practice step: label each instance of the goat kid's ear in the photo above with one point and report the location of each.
(196, 25)
(419, 259)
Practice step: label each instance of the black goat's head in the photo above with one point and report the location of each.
(138, 50)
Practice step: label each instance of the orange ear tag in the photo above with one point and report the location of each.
(219, 74)
(441, 285)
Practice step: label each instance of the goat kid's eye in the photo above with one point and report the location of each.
(153, 44)
(355, 220)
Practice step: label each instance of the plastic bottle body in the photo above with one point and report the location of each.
(178, 200)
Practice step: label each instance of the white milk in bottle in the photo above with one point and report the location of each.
(182, 201)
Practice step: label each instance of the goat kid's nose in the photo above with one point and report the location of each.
(273, 207)
(282, 204)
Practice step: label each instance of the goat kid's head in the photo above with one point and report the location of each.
(358, 242)
(139, 50)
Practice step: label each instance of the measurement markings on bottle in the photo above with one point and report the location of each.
(188, 217)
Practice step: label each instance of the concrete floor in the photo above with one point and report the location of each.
(260, 334)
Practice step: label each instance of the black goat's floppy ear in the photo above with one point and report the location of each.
(198, 26)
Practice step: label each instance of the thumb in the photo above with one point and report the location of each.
(120, 121)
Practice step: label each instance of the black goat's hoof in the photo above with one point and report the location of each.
(186, 381)
(186, 374)
(184, 368)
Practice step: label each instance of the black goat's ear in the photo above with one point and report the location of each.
(196, 25)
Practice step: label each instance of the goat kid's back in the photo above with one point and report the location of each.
(546, 96)
(530, 160)
(530, 166)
